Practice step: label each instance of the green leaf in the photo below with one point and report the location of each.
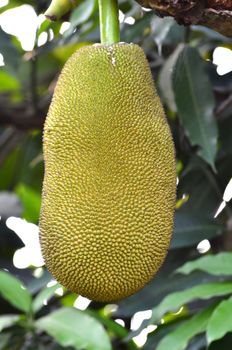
(31, 201)
(8, 82)
(191, 228)
(71, 327)
(7, 169)
(220, 264)
(174, 301)
(165, 78)
(80, 15)
(180, 337)
(133, 33)
(68, 300)
(110, 324)
(13, 291)
(44, 27)
(13, 3)
(201, 185)
(36, 284)
(45, 294)
(8, 320)
(221, 321)
(62, 53)
(225, 132)
(8, 50)
(195, 103)
(4, 339)
(161, 28)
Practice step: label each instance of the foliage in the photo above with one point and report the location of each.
(190, 297)
(68, 326)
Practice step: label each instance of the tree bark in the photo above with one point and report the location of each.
(24, 117)
(216, 14)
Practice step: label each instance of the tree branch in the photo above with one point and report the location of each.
(22, 120)
(216, 14)
(23, 117)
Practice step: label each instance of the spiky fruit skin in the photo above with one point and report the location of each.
(110, 177)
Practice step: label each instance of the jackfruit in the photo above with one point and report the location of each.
(109, 187)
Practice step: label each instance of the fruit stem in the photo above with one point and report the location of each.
(58, 8)
(109, 23)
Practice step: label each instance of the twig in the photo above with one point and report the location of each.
(224, 105)
(21, 120)
(11, 144)
(33, 84)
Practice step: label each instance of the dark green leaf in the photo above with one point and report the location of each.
(180, 337)
(221, 321)
(221, 344)
(201, 186)
(114, 328)
(81, 14)
(71, 327)
(14, 292)
(225, 134)
(161, 28)
(165, 78)
(133, 33)
(212, 34)
(7, 321)
(190, 229)
(36, 284)
(220, 264)
(195, 103)
(4, 338)
(31, 201)
(175, 300)
(198, 343)
(155, 337)
(45, 294)
(8, 50)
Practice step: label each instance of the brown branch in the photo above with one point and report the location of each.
(22, 120)
(24, 117)
(225, 104)
(216, 14)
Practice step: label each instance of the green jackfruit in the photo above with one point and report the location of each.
(110, 178)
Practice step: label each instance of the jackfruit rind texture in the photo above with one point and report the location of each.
(110, 176)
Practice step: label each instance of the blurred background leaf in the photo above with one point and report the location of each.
(14, 292)
(71, 327)
(195, 102)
